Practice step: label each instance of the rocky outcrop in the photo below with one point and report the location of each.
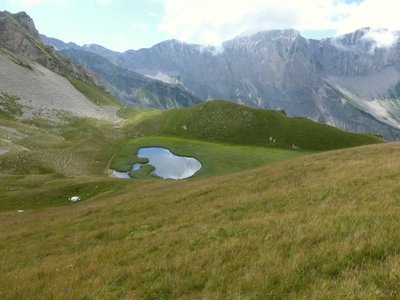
(26, 21)
(18, 38)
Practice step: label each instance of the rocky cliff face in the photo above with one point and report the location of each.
(19, 37)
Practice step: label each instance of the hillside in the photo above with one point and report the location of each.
(44, 83)
(320, 226)
(224, 129)
(226, 122)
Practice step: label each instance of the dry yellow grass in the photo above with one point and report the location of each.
(320, 226)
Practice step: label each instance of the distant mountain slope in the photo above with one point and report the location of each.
(226, 122)
(130, 87)
(59, 45)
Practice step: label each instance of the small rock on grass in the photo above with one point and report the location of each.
(75, 198)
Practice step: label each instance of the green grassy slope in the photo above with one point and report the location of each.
(322, 226)
(226, 122)
(95, 94)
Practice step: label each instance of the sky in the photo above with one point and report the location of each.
(133, 24)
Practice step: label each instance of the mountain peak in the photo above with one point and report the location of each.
(171, 43)
(270, 35)
(22, 18)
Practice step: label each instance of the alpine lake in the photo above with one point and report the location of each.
(165, 164)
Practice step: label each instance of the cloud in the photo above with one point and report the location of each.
(214, 21)
(34, 2)
(371, 13)
(382, 38)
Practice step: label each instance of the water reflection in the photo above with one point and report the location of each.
(166, 164)
(169, 165)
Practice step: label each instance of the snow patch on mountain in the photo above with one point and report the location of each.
(368, 39)
(164, 78)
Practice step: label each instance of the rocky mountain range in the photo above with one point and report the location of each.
(351, 81)
(132, 88)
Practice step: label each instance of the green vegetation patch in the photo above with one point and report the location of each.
(143, 172)
(56, 160)
(9, 106)
(37, 192)
(226, 122)
(95, 94)
(215, 158)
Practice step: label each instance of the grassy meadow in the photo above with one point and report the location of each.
(319, 226)
(50, 162)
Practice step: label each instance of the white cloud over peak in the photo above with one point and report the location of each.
(214, 21)
(371, 13)
(382, 38)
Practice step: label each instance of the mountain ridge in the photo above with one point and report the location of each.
(346, 81)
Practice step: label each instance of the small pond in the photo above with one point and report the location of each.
(167, 165)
